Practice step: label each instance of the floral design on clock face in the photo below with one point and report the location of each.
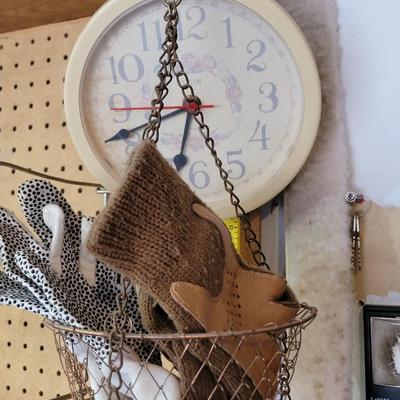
(236, 62)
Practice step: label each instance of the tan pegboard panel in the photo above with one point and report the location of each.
(33, 134)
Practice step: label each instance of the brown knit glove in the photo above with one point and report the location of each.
(149, 232)
(249, 299)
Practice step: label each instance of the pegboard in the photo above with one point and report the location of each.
(33, 134)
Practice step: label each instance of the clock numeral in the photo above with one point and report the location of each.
(269, 90)
(229, 42)
(200, 178)
(201, 18)
(241, 168)
(143, 33)
(259, 48)
(260, 135)
(130, 68)
(127, 104)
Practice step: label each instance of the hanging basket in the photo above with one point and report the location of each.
(85, 383)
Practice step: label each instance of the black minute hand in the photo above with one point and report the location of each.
(180, 160)
(124, 133)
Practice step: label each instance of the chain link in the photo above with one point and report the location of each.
(121, 324)
(171, 65)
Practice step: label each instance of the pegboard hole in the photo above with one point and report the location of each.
(15, 108)
(45, 169)
(25, 346)
(41, 348)
(12, 192)
(24, 368)
(30, 105)
(48, 82)
(32, 62)
(66, 34)
(16, 65)
(41, 371)
(62, 168)
(30, 127)
(63, 146)
(48, 38)
(47, 103)
(25, 323)
(42, 325)
(31, 84)
(80, 190)
(46, 125)
(16, 44)
(8, 388)
(40, 393)
(80, 167)
(46, 147)
(8, 366)
(23, 390)
(58, 373)
(48, 60)
(29, 148)
(32, 41)
(15, 86)
(64, 124)
(9, 344)
(13, 149)
(14, 128)
(9, 322)
(65, 56)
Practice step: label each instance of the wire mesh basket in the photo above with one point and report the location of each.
(91, 378)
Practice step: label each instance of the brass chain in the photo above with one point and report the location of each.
(171, 64)
(121, 325)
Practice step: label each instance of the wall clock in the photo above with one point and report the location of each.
(248, 62)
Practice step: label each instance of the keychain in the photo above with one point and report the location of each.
(359, 207)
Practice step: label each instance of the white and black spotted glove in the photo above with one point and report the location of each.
(58, 270)
(15, 294)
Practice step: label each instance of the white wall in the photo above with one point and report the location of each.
(370, 32)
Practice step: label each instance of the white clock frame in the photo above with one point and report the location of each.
(290, 33)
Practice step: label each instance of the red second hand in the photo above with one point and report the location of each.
(188, 107)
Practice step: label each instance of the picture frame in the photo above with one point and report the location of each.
(381, 340)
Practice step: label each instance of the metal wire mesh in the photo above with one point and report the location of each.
(91, 377)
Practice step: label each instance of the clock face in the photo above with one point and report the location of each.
(241, 68)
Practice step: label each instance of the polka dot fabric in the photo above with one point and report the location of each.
(46, 276)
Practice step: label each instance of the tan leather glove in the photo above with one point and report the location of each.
(250, 298)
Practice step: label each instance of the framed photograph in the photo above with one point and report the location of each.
(382, 352)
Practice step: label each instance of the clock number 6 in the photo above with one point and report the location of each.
(269, 90)
(200, 178)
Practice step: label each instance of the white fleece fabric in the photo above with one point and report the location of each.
(318, 244)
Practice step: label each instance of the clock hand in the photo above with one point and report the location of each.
(180, 160)
(124, 133)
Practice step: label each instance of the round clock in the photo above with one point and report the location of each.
(248, 62)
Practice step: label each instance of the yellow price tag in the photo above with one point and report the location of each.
(233, 224)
